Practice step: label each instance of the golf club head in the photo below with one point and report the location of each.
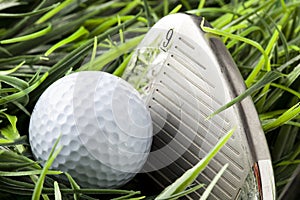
(184, 75)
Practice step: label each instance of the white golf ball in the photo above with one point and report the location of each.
(105, 128)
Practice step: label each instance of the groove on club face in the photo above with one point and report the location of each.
(183, 77)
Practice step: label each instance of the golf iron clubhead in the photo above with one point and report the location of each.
(184, 75)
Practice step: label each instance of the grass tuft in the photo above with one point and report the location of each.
(41, 41)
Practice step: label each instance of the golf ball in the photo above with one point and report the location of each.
(105, 128)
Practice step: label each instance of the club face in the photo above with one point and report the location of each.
(184, 76)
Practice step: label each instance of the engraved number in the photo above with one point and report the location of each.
(168, 38)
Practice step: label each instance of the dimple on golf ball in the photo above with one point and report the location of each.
(105, 128)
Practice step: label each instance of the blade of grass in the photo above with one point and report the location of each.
(14, 166)
(210, 10)
(11, 132)
(15, 191)
(22, 23)
(21, 107)
(166, 7)
(94, 51)
(148, 13)
(79, 33)
(18, 95)
(293, 123)
(252, 76)
(7, 72)
(119, 71)
(39, 185)
(272, 114)
(112, 54)
(285, 117)
(186, 4)
(282, 87)
(294, 154)
(249, 81)
(35, 12)
(57, 193)
(185, 192)
(201, 4)
(28, 37)
(15, 82)
(285, 163)
(27, 173)
(129, 7)
(253, 43)
(13, 122)
(9, 4)
(74, 186)
(15, 143)
(244, 34)
(287, 81)
(17, 59)
(121, 34)
(106, 25)
(16, 183)
(126, 197)
(267, 78)
(54, 11)
(176, 9)
(208, 190)
(281, 142)
(190, 175)
(5, 51)
(7, 156)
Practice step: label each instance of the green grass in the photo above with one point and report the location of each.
(41, 41)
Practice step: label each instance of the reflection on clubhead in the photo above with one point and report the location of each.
(184, 75)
